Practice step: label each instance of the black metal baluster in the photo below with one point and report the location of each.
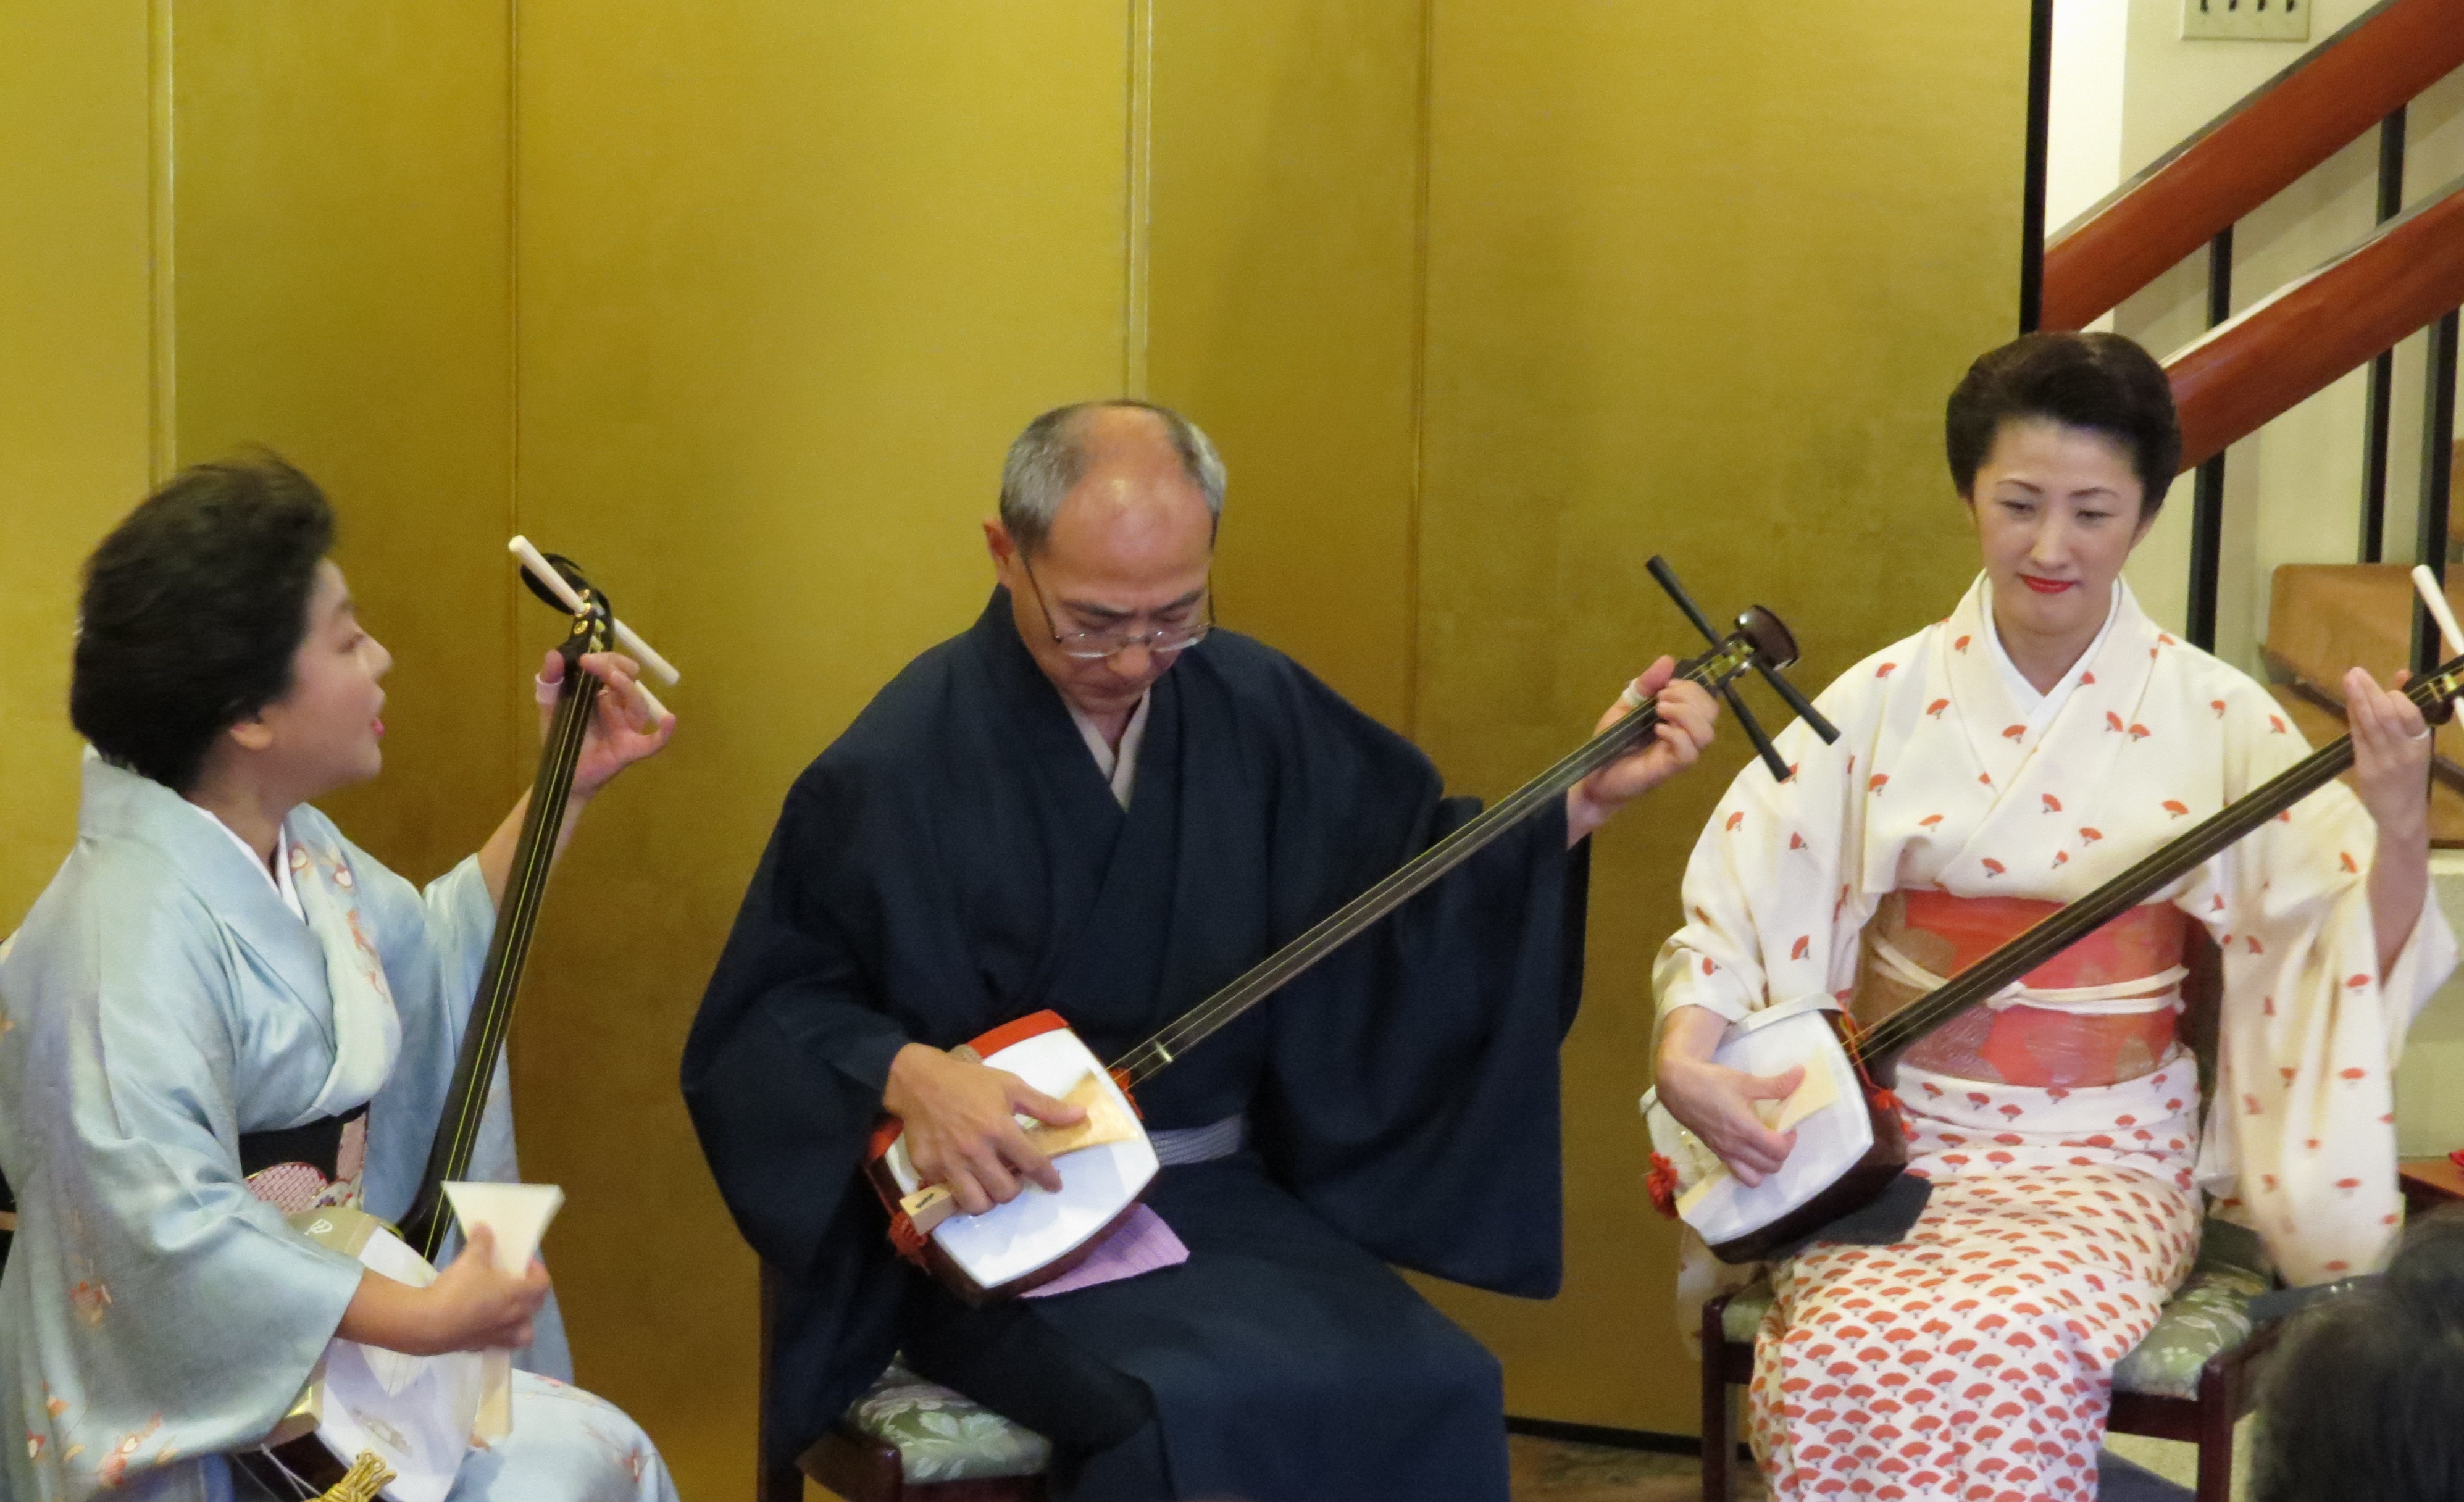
(2437, 460)
(2381, 389)
(2031, 195)
(2208, 493)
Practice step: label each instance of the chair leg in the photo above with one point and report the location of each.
(780, 1484)
(774, 1482)
(2217, 1410)
(1717, 1447)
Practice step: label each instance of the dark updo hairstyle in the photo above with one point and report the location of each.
(2363, 1398)
(193, 608)
(2099, 382)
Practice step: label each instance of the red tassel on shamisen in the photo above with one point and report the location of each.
(1660, 1183)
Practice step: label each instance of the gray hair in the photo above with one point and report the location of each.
(1047, 459)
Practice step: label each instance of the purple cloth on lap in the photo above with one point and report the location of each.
(1142, 1244)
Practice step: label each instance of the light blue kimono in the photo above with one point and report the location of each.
(159, 1000)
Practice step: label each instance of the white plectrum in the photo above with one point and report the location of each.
(517, 1214)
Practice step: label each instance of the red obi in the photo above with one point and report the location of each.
(2036, 1040)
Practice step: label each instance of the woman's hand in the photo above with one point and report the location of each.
(1717, 1104)
(962, 1128)
(2390, 752)
(2391, 746)
(621, 734)
(470, 1306)
(1687, 714)
(623, 731)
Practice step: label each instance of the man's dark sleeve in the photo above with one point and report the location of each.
(784, 1069)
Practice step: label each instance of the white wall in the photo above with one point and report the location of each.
(2083, 134)
(2292, 491)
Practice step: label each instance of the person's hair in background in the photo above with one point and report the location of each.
(2103, 382)
(192, 611)
(2365, 1402)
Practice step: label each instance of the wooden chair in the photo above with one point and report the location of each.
(859, 1463)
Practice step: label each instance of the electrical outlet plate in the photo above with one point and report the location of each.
(2246, 20)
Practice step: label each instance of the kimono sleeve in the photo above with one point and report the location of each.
(1411, 1097)
(177, 1292)
(1772, 905)
(2302, 1126)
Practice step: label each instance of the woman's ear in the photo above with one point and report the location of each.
(252, 734)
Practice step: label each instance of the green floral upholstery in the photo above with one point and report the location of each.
(1745, 1313)
(2209, 1316)
(941, 1436)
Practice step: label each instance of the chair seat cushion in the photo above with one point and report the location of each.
(1745, 1313)
(942, 1436)
(2206, 1316)
(2209, 1316)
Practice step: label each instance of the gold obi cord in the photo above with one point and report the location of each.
(2104, 1010)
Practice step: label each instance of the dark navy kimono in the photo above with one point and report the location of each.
(956, 860)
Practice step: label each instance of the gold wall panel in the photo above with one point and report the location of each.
(1699, 282)
(791, 276)
(343, 299)
(738, 305)
(76, 377)
(1284, 313)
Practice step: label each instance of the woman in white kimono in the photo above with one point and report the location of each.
(215, 963)
(1991, 768)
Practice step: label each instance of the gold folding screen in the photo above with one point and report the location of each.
(1484, 302)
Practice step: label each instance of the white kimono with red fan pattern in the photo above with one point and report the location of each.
(1975, 1360)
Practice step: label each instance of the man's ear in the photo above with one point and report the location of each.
(998, 542)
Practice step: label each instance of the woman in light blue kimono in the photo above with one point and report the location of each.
(215, 963)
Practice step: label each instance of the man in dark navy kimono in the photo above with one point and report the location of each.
(1093, 802)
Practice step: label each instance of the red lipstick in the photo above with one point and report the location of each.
(2047, 585)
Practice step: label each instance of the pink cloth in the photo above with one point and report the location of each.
(1142, 1244)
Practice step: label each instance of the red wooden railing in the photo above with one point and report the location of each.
(2277, 353)
(2297, 120)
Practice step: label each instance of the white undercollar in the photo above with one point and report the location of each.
(1120, 768)
(279, 876)
(2040, 707)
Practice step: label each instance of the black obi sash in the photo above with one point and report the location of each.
(308, 1167)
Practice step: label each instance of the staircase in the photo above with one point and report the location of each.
(2405, 277)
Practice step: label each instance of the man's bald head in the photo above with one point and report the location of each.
(1059, 449)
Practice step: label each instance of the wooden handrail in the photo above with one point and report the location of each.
(2248, 155)
(2275, 354)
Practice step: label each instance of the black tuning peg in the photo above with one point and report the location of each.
(1768, 636)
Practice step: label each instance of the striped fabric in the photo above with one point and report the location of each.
(1201, 1144)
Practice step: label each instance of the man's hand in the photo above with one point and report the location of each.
(1687, 714)
(962, 1128)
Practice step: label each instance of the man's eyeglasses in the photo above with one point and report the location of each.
(1095, 646)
